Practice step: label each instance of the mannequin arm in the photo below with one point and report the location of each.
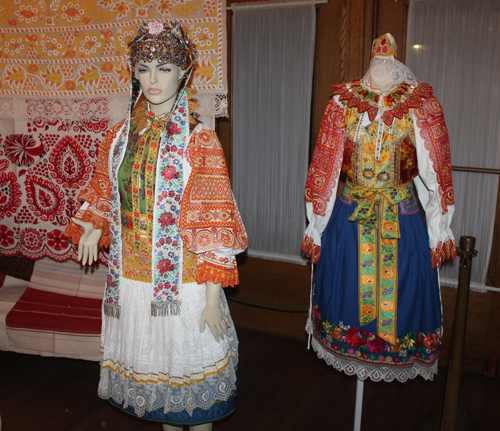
(87, 246)
(212, 314)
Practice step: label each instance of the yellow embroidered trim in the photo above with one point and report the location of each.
(129, 373)
(378, 232)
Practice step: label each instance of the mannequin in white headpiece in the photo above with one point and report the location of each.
(375, 304)
(160, 355)
(375, 308)
(152, 76)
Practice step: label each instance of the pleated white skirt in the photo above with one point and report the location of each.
(164, 363)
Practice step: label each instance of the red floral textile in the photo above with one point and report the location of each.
(430, 120)
(327, 159)
(310, 249)
(44, 164)
(325, 169)
(442, 253)
(398, 102)
(97, 194)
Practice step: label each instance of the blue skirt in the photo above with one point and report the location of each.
(338, 336)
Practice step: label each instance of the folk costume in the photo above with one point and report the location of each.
(375, 308)
(161, 195)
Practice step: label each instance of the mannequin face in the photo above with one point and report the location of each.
(159, 84)
(380, 74)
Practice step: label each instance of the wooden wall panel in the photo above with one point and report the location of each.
(327, 62)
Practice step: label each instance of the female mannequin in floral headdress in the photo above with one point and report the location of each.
(376, 305)
(161, 200)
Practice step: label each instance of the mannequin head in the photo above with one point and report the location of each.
(161, 58)
(385, 70)
(381, 71)
(159, 83)
(384, 51)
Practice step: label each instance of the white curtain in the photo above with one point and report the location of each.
(273, 71)
(454, 46)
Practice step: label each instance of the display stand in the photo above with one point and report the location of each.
(359, 404)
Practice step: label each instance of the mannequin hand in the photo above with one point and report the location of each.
(87, 247)
(213, 315)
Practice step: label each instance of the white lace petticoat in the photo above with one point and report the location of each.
(165, 362)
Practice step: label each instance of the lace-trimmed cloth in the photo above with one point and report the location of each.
(389, 69)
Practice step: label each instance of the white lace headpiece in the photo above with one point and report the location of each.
(384, 66)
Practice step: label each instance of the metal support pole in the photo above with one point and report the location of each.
(450, 411)
(359, 404)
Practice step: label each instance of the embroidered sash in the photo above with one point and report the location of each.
(161, 222)
(377, 217)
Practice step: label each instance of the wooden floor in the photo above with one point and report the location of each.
(283, 387)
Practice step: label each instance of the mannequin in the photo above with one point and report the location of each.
(162, 57)
(152, 75)
(380, 73)
(381, 81)
(375, 308)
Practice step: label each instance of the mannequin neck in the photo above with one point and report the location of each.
(162, 108)
(382, 86)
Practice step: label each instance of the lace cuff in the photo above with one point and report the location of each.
(442, 252)
(74, 232)
(311, 244)
(217, 269)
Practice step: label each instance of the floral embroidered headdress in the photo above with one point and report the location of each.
(166, 42)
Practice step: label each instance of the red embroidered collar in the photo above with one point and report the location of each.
(397, 103)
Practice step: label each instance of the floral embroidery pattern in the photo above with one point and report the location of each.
(32, 239)
(431, 123)
(57, 240)
(356, 344)
(42, 169)
(209, 201)
(6, 236)
(378, 262)
(21, 149)
(396, 163)
(396, 104)
(218, 269)
(443, 252)
(57, 34)
(327, 159)
(10, 194)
